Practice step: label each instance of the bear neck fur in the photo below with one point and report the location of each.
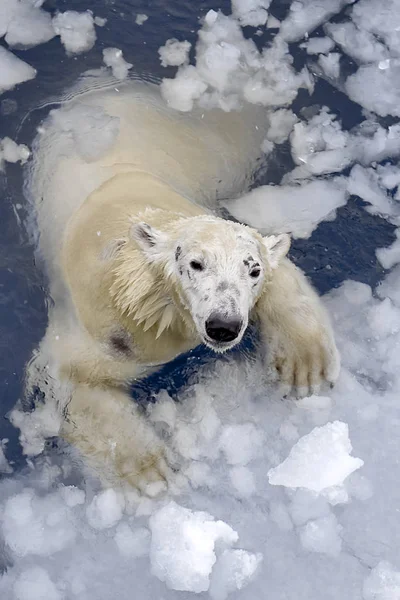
(148, 292)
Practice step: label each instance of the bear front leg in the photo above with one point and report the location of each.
(115, 439)
(297, 330)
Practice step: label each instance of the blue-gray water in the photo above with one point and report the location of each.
(338, 250)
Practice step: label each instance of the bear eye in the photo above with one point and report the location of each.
(196, 265)
(255, 272)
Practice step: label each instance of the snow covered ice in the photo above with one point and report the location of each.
(318, 461)
(291, 499)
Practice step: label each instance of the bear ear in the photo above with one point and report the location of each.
(150, 240)
(277, 247)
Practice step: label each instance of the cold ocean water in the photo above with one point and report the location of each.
(286, 499)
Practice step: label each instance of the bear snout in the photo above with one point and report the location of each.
(221, 328)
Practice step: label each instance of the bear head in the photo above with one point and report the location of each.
(217, 268)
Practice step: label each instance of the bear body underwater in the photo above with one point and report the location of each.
(140, 271)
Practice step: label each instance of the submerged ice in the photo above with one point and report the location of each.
(299, 498)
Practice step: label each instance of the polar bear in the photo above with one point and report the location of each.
(141, 270)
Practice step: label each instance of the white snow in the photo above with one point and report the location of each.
(132, 544)
(113, 58)
(76, 30)
(319, 460)
(322, 535)
(233, 571)
(183, 546)
(240, 443)
(383, 583)
(35, 584)
(13, 70)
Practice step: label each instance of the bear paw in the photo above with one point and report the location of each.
(304, 368)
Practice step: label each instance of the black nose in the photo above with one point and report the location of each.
(223, 329)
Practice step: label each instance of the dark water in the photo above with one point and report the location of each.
(338, 250)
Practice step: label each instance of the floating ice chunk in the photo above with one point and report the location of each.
(370, 142)
(233, 571)
(365, 184)
(384, 318)
(229, 68)
(113, 58)
(76, 30)
(389, 175)
(174, 53)
(36, 525)
(305, 16)
(5, 467)
(273, 22)
(356, 43)
(383, 583)
(330, 64)
(322, 535)
(91, 129)
(132, 543)
(99, 21)
(241, 443)
(35, 584)
(319, 146)
(295, 209)
(183, 543)
(251, 12)
(105, 510)
(281, 124)
(182, 91)
(276, 84)
(318, 460)
(243, 481)
(13, 70)
(376, 89)
(381, 20)
(318, 45)
(11, 152)
(141, 18)
(388, 257)
(7, 8)
(28, 25)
